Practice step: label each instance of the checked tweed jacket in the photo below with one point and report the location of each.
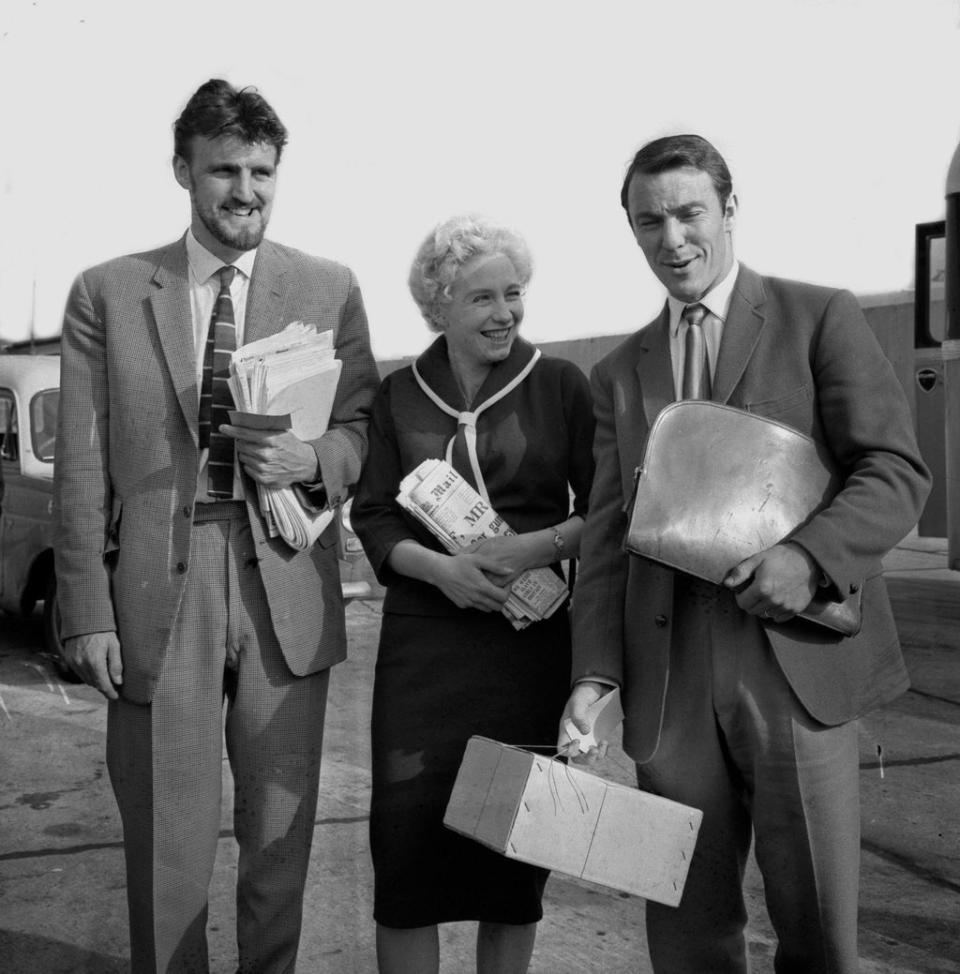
(127, 453)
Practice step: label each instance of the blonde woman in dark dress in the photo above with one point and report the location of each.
(449, 663)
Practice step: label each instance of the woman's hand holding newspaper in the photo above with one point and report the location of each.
(513, 552)
(440, 499)
(471, 580)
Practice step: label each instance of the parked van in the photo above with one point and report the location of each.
(29, 397)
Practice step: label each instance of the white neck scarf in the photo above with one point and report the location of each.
(467, 419)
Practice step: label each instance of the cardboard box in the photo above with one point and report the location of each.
(540, 811)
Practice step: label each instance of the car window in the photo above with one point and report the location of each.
(8, 425)
(43, 423)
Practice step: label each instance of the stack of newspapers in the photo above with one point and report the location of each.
(287, 381)
(437, 496)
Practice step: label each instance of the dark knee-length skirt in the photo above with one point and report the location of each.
(438, 681)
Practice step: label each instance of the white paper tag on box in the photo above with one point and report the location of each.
(604, 716)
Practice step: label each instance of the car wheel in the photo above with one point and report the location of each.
(51, 632)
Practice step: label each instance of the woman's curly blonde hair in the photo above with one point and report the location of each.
(448, 247)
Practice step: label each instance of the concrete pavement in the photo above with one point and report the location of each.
(62, 905)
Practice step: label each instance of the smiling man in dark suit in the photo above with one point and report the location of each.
(732, 704)
(177, 604)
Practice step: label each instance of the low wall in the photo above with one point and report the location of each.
(889, 315)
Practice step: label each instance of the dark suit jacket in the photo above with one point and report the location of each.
(127, 453)
(805, 356)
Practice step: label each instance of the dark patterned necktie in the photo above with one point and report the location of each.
(215, 397)
(696, 366)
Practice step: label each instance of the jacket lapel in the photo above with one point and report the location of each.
(170, 302)
(654, 367)
(266, 298)
(741, 332)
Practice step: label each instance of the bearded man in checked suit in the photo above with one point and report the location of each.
(732, 704)
(175, 603)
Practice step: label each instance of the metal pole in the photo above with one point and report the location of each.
(951, 363)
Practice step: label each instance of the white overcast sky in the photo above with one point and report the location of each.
(838, 119)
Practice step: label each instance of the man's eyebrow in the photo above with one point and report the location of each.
(236, 166)
(684, 207)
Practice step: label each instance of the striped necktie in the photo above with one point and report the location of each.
(215, 397)
(696, 366)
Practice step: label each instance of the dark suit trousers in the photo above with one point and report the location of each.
(738, 744)
(165, 763)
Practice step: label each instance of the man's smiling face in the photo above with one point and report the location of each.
(231, 185)
(683, 229)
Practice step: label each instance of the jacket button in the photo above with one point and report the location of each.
(854, 589)
(660, 621)
(187, 510)
(181, 567)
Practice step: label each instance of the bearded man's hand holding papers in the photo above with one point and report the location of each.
(274, 458)
(284, 388)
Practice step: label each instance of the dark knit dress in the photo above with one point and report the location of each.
(445, 673)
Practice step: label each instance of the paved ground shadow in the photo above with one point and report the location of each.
(28, 953)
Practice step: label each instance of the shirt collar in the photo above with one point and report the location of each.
(716, 300)
(204, 265)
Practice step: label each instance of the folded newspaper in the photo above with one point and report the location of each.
(440, 499)
(287, 381)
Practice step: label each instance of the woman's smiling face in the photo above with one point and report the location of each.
(484, 312)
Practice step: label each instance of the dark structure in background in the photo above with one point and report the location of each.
(951, 360)
(930, 330)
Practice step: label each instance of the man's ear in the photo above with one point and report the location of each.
(181, 172)
(730, 212)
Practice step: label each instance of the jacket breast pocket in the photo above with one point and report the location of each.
(795, 405)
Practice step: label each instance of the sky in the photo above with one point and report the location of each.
(838, 119)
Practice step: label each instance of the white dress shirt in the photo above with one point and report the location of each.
(204, 288)
(717, 302)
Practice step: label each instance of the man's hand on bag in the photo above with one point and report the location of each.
(777, 583)
(95, 657)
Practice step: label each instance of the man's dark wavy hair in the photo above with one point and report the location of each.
(217, 108)
(676, 152)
